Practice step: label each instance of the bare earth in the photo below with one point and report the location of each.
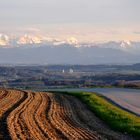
(47, 116)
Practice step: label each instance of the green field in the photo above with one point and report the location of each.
(112, 115)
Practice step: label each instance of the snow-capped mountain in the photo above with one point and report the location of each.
(6, 41)
(26, 39)
(125, 44)
(33, 41)
(36, 49)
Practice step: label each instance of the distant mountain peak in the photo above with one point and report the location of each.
(72, 40)
(48, 50)
(28, 39)
(4, 40)
(125, 44)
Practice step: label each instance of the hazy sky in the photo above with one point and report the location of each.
(85, 19)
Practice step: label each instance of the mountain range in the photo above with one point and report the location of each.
(29, 49)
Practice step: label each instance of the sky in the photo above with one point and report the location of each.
(87, 20)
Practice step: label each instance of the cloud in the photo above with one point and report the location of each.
(33, 29)
(30, 30)
(136, 32)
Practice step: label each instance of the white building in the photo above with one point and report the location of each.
(71, 71)
(63, 71)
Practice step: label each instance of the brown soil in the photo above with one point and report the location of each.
(48, 116)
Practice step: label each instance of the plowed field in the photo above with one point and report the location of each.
(26, 115)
